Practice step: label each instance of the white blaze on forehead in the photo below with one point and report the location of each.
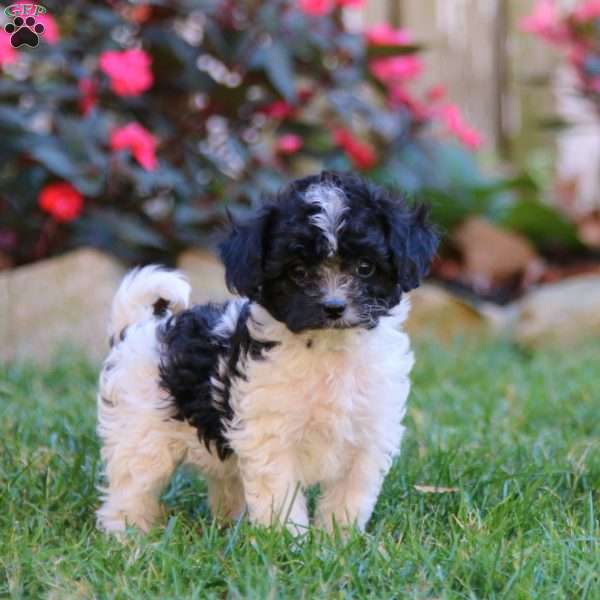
(334, 283)
(331, 202)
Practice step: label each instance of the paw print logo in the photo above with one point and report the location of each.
(24, 32)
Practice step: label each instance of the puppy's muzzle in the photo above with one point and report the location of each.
(334, 308)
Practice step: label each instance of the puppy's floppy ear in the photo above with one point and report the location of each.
(242, 253)
(413, 242)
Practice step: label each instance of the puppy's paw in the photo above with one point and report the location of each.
(337, 525)
(117, 521)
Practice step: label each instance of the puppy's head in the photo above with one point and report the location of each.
(332, 251)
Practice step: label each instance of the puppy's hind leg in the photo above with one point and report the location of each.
(141, 444)
(138, 468)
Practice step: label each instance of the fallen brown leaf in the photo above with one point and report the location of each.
(433, 489)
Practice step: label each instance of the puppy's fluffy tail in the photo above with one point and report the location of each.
(148, 292)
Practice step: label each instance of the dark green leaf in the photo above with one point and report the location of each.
(276, 61)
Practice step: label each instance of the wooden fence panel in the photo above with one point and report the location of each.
(476, 49)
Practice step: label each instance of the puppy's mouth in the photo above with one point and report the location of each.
(333, 324)
(342, 324)
(351, 319)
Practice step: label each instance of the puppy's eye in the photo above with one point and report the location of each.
(365, 269)
(298, 272)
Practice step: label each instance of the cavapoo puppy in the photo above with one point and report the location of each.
(301, 380)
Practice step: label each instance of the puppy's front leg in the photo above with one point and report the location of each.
(349, 501)
(272, 488)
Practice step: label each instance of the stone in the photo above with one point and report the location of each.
(65, 301)
(437, 313)
(561, 313)
(206, 275)
(491, 256)
(55, 303)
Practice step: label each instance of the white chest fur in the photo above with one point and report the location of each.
(320, 398)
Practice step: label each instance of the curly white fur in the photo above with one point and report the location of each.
(140, 289)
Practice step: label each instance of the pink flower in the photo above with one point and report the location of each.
(279, 109)
(316, 8)
(289, 143)
(129, 71)
(454, 122)
(595, 85)
(396, 69)
(545, 21)
(61, 200)
(436, 93)
(88, 98)
(400, 97)
(362, 154)
(577, 54)
(351, 3)
(8, 54)
(385, 35)
(588, 11)
(51, 33)
(139, 141)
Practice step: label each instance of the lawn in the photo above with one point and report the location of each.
(517, 435)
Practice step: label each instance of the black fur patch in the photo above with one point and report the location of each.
(191, 356)
(160, 307)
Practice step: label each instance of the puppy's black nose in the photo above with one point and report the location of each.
(334, 308)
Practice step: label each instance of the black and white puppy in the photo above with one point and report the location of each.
(302, 380)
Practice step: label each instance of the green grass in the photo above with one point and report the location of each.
(517, 434)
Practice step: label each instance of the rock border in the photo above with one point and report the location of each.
(65, 301)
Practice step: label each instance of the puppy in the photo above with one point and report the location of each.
(301, 380)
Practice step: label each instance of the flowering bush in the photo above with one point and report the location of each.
(132, 126)
(577, 33)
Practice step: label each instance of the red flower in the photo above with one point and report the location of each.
(545, 21)
(289, 143)
(139, 13)
(129, 71)
(362, 154)
(279, 109)
(455, 124)
(139, 141)
(385, 35)
(396, 69)
(305, 94)
(88, 99)
(7, 53)
(61, 200)
(587, 11)
(316, 8)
